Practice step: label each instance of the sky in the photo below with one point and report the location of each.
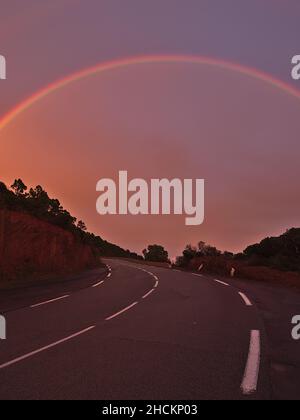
(157, 119)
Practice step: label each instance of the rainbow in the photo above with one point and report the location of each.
(121, 63)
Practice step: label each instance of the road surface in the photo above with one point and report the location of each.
(132, 331)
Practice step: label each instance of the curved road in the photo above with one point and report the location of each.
(135, 332)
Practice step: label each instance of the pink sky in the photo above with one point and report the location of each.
(166, 120)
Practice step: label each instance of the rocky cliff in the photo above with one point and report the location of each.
(30, 247)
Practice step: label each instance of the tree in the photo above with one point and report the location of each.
(81, 225)
(205, 250)
(39, 201)
(156, 253)
(54, 207)
(19, 187)
(180, 261)
(228, 254)
(189, 252)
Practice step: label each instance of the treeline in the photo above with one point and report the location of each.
(201, 250)
(280, 253)
(37, 203)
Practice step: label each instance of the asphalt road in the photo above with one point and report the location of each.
(137, 332)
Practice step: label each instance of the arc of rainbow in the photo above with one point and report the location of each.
(111, 65)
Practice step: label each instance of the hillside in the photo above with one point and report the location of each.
(30, 247)
(39, 237)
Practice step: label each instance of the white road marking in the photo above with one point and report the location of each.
(148, 272)
(197, 275)
(221, 282)
(250, 380)
(245, 299)
(49, 301)
(108, 275)
(42, 349)
(98, 284)
(143, 297)
(121, 312)
(148, 294)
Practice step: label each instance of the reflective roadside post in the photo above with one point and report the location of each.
(2, 328)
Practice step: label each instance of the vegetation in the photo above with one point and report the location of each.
(201, 250)
(156, 253)
(37, 202)
(280, 253)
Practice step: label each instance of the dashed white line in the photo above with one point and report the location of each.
(121, 312)
(148, 294)
(249, 384)
(144, 297)
(197, 275)
(98, 284)
(245, 299)
(108, 275)
(221, 282)
(149, 272)
(33, 353)
(49, 301)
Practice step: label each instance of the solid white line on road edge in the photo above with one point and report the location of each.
(156, 284)
(49, 301)
(98, 284)
(245, 299)
(148, 294)
(197, 275)
(221, 282)
(33, 353)
(250, 380)
(121, 312)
